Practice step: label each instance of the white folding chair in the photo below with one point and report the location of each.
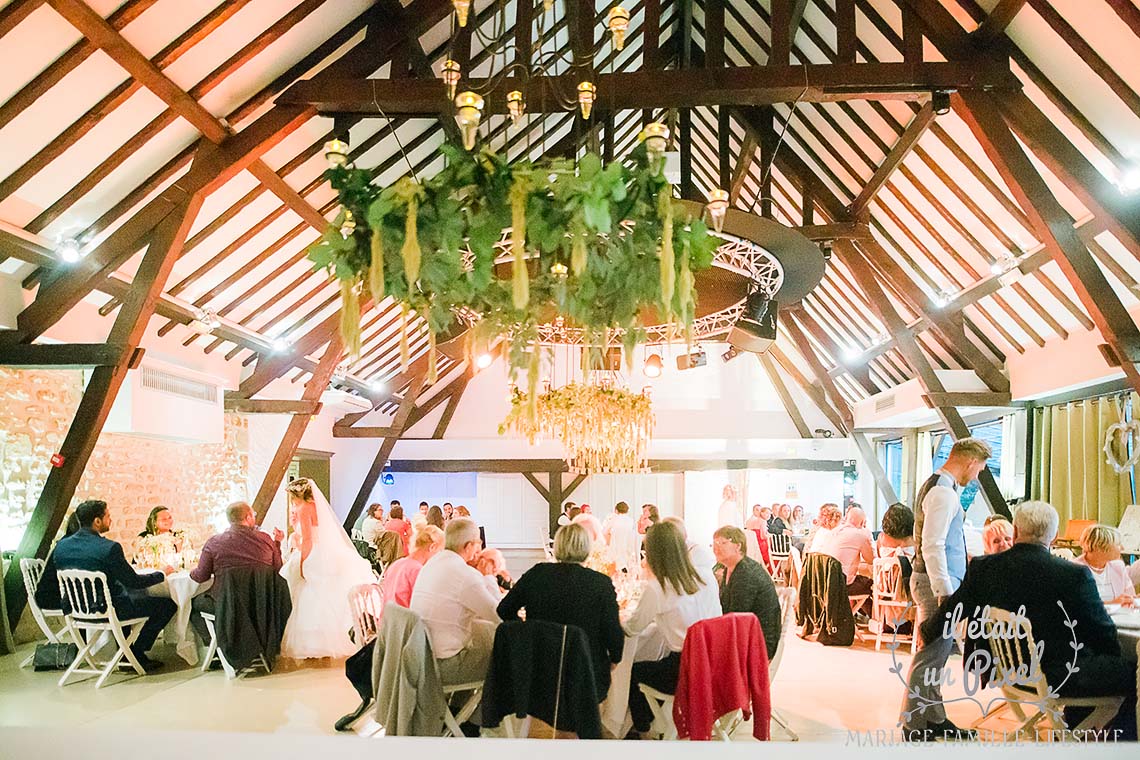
(661, 705)
(779, 549)
(32, 571)
(1024, 682)
(787, 623)
(452, 720)
(214, 653)
(93, 613)
(888, 601)
(367, 604)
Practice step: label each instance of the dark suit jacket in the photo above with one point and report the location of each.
(569, 594)
(87, 550)
(750, 589)
(1027, 574)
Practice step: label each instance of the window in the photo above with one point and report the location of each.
(991, 433)
(893, 463)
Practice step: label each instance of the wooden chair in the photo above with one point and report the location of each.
(888, 600)
(92, 613)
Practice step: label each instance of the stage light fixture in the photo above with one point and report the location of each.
(653, 365)
(697, 358)
(940, 102)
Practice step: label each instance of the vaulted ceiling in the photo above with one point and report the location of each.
(104, 104)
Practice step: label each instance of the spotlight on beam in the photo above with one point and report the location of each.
(940, 102)
(851, 355)
(69, 250)
(755, 331)
(730, 354)
(377, 386)
(280, 345)
(1129, 182)
(484, 360)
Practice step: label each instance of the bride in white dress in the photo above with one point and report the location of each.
(321, 568)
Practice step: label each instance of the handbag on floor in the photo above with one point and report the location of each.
(54, 656)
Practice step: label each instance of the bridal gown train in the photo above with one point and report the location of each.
(322, 618)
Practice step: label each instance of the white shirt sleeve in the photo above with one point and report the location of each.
(647, 608)
(482, 601)
(939, 508)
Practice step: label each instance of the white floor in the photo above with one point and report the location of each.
(823, 692)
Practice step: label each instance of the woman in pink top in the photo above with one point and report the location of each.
(400, 578)
(1100, 553)
(397, 523)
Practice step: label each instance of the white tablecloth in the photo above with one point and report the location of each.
(181, 588)
(649, 645)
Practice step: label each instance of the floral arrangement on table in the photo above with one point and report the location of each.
(602, 428)
(160, 550)
(599, 560)
(594, 243)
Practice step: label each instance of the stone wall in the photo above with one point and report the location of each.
(131, 473)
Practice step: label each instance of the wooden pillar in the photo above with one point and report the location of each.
(100, 393)
(867, 453)
(318, 383)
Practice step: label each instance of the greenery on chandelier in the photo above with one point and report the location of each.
(594, 244)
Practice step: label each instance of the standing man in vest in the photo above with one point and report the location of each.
(939, 566)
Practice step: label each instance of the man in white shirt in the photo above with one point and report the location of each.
(564, 518)
(939, 566)
(457, 606)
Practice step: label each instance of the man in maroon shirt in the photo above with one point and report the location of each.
(243, 545)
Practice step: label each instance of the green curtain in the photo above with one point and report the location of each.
(1070, 470)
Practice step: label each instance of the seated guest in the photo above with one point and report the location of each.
(161, 522)
(567, 593)
(1052, 592)
(448, 511)
(457, 607)
(776, 524)
(800, 523)
(746, 586)
(400, 577)
(373, 524)
(1100, 553)
(701, 556)
(47, 592)
(677, 596)
(649, 516)
(997, 536)
(493, 567)
(592, 524)
(897, 535)
(850, 543)
(754, 522)
(86, 549)
(766, 516)
(397, 524)
(424, 508)
(435, 517)
(242, 545)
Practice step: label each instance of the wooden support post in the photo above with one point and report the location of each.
(767, 138)
(845, 39)
(100, 393)
(399, 424)
(786, 399)
(814, 392)
(555, 499)
(724, 152)
(800, 340)
(901, 149)
(782, 32)
(919, 364)
(867, 453)
(449, 411)
(318, 383)
(743, 164)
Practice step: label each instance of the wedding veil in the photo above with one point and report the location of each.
(333, 551)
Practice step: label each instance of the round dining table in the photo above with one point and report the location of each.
(181, 589)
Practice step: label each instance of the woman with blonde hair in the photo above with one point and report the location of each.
(677, 596)
(401, 574)
(1100, 553)
(997, 536)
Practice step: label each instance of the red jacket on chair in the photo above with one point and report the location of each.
(724, 667)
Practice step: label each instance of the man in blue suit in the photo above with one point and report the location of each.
(88, 550)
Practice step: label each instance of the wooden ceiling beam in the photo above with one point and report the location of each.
(901, 149)
(997, 21)
(927, 377)
(813, 390)
(1051, 224)
(677, 88)
(773, 373)
(821, 375)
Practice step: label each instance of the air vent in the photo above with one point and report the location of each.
(157, 380)
(885, 403)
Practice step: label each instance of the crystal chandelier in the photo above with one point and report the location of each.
(602, 428)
